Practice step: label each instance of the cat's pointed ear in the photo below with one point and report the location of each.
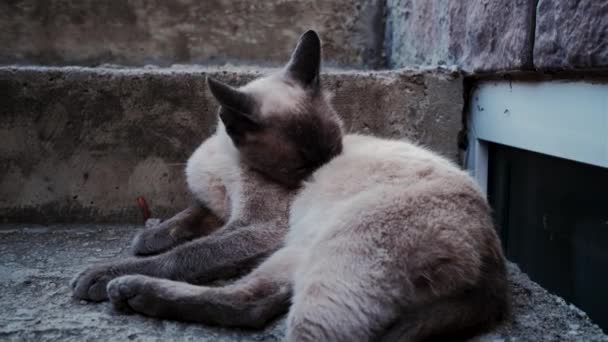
(305, 62)
(236, 112)
(230, 97)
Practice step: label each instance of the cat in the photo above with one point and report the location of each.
(358, 238)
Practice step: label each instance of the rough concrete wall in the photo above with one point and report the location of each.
(477, 36)
(82, 144)
(500, 35)
(571, 34)
(132, 32)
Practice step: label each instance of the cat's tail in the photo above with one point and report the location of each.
(457, 317)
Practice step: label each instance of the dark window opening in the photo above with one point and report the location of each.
(552, 215)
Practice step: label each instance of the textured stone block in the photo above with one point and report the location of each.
(132, 32)
(81, 144)
(476, 36)
(571, 34)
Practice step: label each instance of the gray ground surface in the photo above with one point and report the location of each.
(36, 263)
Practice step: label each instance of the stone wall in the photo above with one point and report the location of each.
(81, 144)
(477, 36)
(136, 33)
(571, 34)
(473, 35)
(499, 35)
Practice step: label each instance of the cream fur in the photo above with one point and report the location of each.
(367, 165)
(274, 93)
(363, 240)
(213, 174)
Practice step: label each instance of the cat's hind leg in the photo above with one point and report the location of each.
(459, 291)
(455, 318)
(361, 281)
(351, 297)
(193, 222)
(344, 293)
(250, 302)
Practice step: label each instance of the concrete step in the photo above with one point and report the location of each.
(136, 33)
(80, 144)
(37, 303)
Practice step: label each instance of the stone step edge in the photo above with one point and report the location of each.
(450, 72)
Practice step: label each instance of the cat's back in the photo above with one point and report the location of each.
(373, 177)
(369, 164)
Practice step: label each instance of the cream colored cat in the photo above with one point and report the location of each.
(359, 238)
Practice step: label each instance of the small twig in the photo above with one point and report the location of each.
(143, 207)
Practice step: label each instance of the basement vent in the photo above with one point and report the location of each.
(540, 150)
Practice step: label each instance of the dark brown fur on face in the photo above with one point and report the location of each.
(285, 144)
(291, 147)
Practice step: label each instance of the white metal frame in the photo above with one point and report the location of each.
(566, 119)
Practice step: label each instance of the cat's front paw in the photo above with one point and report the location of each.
(152, 241)
(91, 283)
(139, 293)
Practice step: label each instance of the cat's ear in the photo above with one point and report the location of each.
(305, 62)
(236, 112)
(230, 97)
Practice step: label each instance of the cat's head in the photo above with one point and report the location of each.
(283, 125)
